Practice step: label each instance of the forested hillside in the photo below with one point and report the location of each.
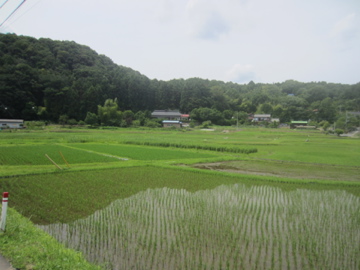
(43, 79)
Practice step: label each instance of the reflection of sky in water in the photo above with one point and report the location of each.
(238, 226)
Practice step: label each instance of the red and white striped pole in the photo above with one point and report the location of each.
(4, 210)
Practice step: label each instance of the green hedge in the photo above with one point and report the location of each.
(199, 147)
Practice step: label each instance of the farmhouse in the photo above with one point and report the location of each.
(257, 118)
(166, 114)
(172, 123)
(11, 123)
(261, 118)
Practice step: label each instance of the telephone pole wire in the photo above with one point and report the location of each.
(12, 13)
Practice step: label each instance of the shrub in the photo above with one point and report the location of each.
(35, 124)
(206, 124)
(152, 124)
(339, 131)
(72, 122)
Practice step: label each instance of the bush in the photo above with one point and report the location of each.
(35, 124)
(339, 131)
(72, 122)
(152, 124)
(206, 124)
(136, 123)
(92, 119)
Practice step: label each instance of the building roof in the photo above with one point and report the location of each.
(262, 115)
(165, 113)
(299, 122)
(20, 121)
(171, 122)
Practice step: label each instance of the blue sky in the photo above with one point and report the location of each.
(229, 40)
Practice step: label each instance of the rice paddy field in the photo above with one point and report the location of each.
(141, 199)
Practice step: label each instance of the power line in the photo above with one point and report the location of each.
(25, 12)
(13, 12)
(3, 4)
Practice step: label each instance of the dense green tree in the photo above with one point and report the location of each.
(207, 114)
(248, 107)
(109, 115)
(63, 119)
(266, 108)
(277, 111)
(196, 94)
(291, 87)
(327, 111)
(128, 117)
(91, 119)
(315, 93)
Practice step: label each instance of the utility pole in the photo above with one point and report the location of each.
(237, 120)
(346, 121)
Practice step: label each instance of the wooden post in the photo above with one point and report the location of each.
(61, 154)
(57, 166)
(4, 211)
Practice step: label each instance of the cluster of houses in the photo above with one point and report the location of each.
(174, 118)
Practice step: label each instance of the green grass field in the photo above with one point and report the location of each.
(103, 168)
(141, 153)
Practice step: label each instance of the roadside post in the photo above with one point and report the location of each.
(4, 210)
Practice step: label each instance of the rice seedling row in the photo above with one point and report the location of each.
(69, 195)
(229, 227)
(35, 155)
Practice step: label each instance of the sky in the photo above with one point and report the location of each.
(229, 40)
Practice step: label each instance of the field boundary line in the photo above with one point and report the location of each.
(94, 152)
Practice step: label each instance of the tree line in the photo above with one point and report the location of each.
(44, 79)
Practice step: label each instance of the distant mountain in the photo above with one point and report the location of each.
(45, 79)
(65, 78)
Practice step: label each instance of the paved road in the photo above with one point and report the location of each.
(4, 264)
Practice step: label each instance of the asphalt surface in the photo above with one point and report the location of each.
(4, 264)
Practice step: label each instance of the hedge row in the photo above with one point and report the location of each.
(199, 147)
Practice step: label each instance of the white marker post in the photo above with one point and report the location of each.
(4, 210)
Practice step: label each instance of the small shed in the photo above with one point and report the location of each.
(298, 124)
(172, 123)
(11, 123)
(262, 118)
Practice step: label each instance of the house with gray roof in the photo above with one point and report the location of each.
(11, 123)
(166, 114)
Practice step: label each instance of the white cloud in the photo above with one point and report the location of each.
(345, 27)
(211, 19)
